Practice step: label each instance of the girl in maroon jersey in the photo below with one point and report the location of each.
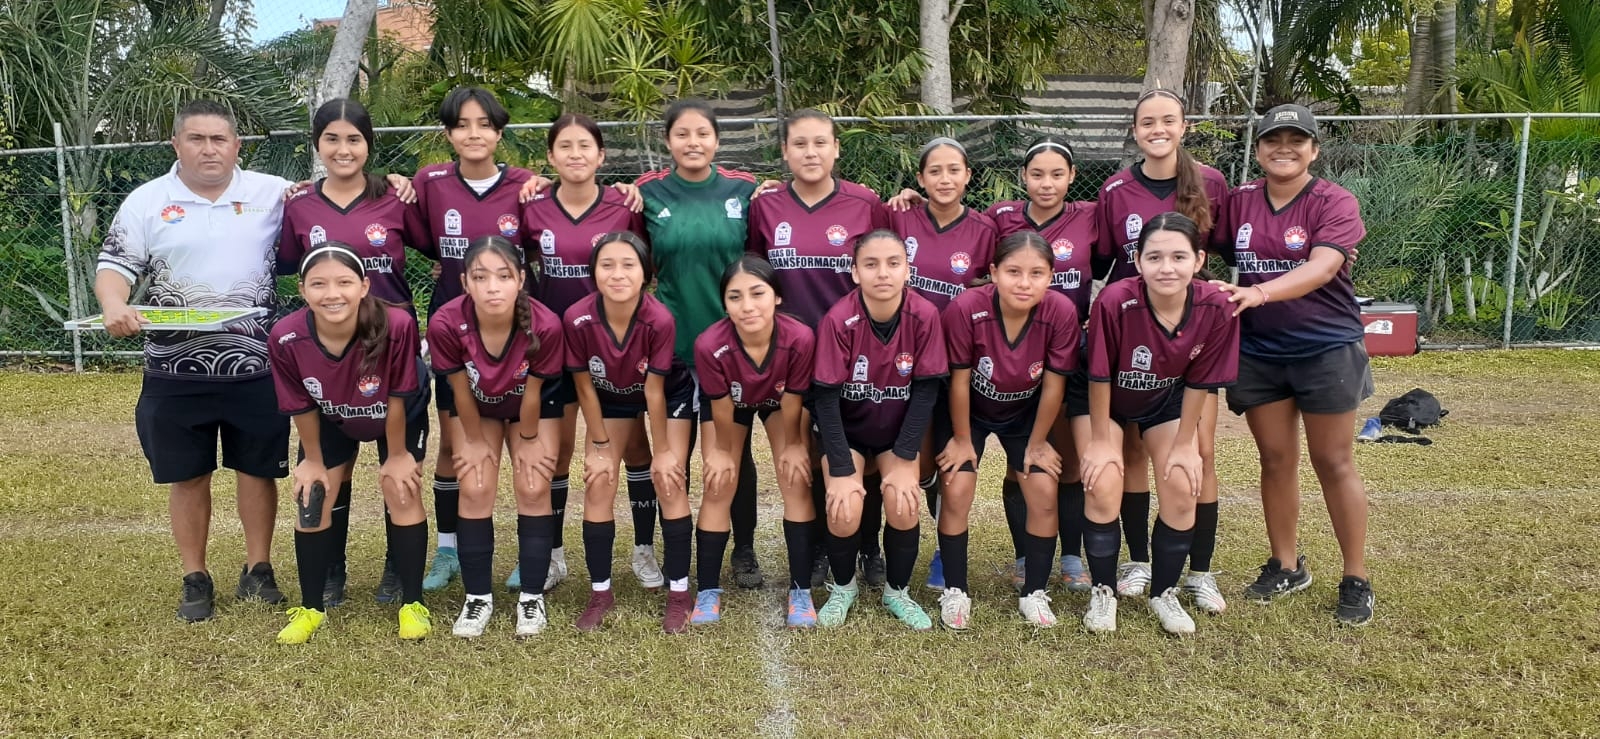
(1167, 179)
(1012, 344)
(804, 229)
(559, 227)
(1158, 344)
(499, 348)
(346, 371)
(880, 361)
(1073, 233)
(620, 354)
(755, 362)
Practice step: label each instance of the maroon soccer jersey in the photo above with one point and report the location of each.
(1267, 243)
(455, 343)
(1128, 200)
(377, 230)
(618, 368)
(1006, 375)
(945, 260)
(308, 378)
(455, 214)
(810, 246)
(726, 370)
(1073, 236)
(1145, 363)
(558, 245)
(874, 376)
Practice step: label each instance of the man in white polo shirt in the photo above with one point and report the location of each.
(203, 235)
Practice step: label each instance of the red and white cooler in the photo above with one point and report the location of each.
(1391, 329)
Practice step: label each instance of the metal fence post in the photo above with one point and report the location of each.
(1516, 229)
(74, 310)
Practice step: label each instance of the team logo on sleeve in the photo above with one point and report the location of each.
(452, 222)
(313, 386)
(1035, 370)
(960, 262)
(860, 372)
(507, 224)
(522, 370)
(1062, 248)
(317, 236)
(597, 368)
(781, 234)
(986, 366)
(368, 385)
(836, 235)
(377, 235)
(1195, 352)
(736, 391)
(911, 248)
(547, 242)
(172, 214)
(1295, 238)
(1241, 240)
(734, 208)
(1133, 226)
(643, 366)
(1141, 358)
(903, 363)
(778, 388)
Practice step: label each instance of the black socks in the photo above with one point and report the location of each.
(1100, 547)
(1170, 547)
(475, 547)
(598, 537)
(535, 537)
(1136, 524)
(1205, 537)
(642, 501)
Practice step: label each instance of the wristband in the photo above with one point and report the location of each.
(1265, 296)
(526, 437)
(601, 444)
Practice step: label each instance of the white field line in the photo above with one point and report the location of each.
(772, 636)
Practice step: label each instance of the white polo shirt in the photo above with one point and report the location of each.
(201, 253)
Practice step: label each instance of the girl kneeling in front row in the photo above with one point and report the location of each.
(1158, 343)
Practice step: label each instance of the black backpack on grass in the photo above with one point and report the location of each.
(1413, 411)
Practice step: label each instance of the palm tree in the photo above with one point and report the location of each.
(1297, 38)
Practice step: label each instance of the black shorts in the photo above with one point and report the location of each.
(338, 449)
(1077, 398)
(555, 395)
(681, 404)
(1335, 381)
(745, 417)
(443, 396)
(1013, 439)
(179, 423)
(1170, 411)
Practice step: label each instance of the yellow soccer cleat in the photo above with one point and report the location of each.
(415, 621)
(303, 622)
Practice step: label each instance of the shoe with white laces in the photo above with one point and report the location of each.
(1202, 587)
(840, 597)
(1174, 620)
(1035, 608)
(1101, 618)
(900, 603)
(474, 617)
(1132, 579)
(558, 569)
(646, 568)
(955, 609)
(531, 616)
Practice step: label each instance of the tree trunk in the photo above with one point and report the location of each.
(213, 22)
(937, 18)
(1168, 25)
(1443, 67)
(1417, 77)
(345, 58)
(1489, 19)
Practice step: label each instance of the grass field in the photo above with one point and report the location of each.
(1488, 610)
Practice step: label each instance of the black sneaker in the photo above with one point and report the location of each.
(1355, 601)
(389, 586)
(873, 570)
(746, 571)
(198, 597)
(333, 589)
(819, 570)
(259, 582)
(1275, 581)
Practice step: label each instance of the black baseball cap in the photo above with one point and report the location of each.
(1297, 117)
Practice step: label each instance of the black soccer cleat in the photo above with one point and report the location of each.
(199, 596)
(746, 570)
(259, 582)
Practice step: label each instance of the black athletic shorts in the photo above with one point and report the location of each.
(1077, 399)
(1013, 439)
(1335, 381)
(180, 421)
(1169, 411)
(556, 395)
(338, 448)
(680, 405)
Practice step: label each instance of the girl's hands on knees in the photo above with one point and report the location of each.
(956, 453)
(532, 459)
(719, 469)
(1096, 459)
(306, 474)
(795, 465)
(842, 492)
(1045, 457)
(599, 468)
(402, 472)
(666, 471)
(900, 486)
(1185, 460)
(474, 456)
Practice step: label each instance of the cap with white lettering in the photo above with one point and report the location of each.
(1292, 116)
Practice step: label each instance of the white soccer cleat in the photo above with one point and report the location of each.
(645, 567)
(1202, 587)
(1132, 579)
(1174, 619)
(955, 609)
(474, 617)
(1035, 608)
(1101, 618)
(531, 618)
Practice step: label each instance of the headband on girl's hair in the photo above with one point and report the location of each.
(334, 248)
(1066, 152)
(1161, 92)
(943, 141)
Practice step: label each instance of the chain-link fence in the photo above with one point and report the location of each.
(1446, 204)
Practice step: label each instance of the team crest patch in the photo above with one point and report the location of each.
(736, 392)
(985, 366)
(1241, 239)
(960, 262)
(911, 248)
(1141, 358)
(313, 386)
(368, 385)
(472, 374)
(1295, 238)
(507, 224)
(734, 209)
(860, 372)
(782, 234)
(1195, 352)
(172, 214)
(597, 368)
(903, 363)
(452, 222)
(644, 366)
(522, 370)
(318, 235)
(779, 387)
(836, 235)
(1035, 370)
(547, 242)
(1062, 248)
(377, 235)
(1132, 227)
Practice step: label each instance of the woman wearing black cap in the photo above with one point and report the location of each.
(1301, 350)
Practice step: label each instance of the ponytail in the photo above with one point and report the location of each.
(1191, 199)
(372, 330)
(524, 321)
